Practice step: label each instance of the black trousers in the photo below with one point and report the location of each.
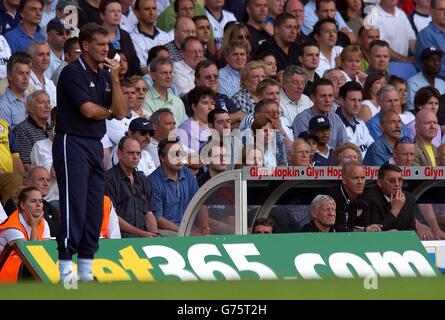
(80, 176)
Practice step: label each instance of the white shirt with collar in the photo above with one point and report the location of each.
(128, 22)
(290, 109)
(48, 86)
(183, 77)
(143, 43)
(327, 64)
(395, 29)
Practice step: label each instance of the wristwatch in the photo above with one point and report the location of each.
(110, 116)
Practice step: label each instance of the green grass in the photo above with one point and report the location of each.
(414, 288)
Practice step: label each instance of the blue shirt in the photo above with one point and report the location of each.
(418, 81)
(378, 153)
(375, 131)
(19, 40)
(79, 84)
(431, 36)
(229, 81)
(12, 109)
(172, 197)
(310, 19)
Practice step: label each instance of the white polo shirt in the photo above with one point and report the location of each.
(128, 21)
(394, 29)
(218, 25)
(143, 42)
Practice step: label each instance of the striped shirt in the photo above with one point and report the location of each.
(175, 53)
(27, 133)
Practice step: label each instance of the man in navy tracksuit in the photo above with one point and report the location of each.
(86, 95)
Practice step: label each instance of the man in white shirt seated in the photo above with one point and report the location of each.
(325, 33)
(192, 53)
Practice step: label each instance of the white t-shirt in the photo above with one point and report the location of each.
(116, 128)
(5, 53)
(218, 25)
(11, 234)
(421, 21)
(374, 109)
(395, 29)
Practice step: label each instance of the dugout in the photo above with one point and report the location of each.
(236, 198)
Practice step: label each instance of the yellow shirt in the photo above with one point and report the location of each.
(429, 150)
(6, 152)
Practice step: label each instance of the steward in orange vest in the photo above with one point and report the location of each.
(10, 270)
(106, 217)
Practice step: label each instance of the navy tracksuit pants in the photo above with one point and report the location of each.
(80, 176)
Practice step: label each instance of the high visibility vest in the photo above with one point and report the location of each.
(10, 270)
(106, 217)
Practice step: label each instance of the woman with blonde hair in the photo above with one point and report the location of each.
(351, 59)
(235, 32)
(251, 75)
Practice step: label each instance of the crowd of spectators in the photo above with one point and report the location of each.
(246, 82)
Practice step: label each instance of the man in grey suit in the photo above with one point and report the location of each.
(426, 129)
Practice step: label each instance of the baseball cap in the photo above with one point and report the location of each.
(141, 124)
(55, 24)
(318, 123)
(429, 51)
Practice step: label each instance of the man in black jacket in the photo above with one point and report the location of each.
(389, 205)
(352, 209)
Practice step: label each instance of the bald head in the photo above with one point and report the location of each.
(184, 27)
(426, 125)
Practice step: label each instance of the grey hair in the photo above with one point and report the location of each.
(386, 88)
(33, 96)
(319, 199)
(154, 65)
(34, 45)
(292, 69)
(30, 173)
(348, 165)
(155, 117)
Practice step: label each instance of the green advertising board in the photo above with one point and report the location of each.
(276, 256)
